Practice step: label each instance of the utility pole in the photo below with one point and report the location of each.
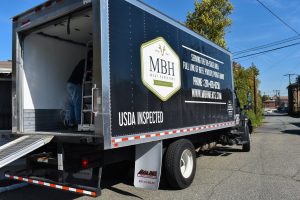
(277, 92)
(289, 75)
(277, 95)
(254, 87)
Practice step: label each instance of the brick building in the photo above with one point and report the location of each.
(269, 104)
(294, 99)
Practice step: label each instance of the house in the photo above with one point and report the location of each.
(5, 67)
(276, 103)
(269, 104)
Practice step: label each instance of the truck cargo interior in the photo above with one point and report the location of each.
(50, 53)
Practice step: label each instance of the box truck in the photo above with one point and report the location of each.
(156, 92)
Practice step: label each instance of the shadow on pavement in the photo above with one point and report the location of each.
(219, 151)
(112, 175)
(296, 124)
(125, 193)
(292, 132)
(276, 115)
(35, 192)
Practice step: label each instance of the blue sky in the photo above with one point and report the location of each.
(252, 26)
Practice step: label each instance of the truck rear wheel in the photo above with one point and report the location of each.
(247, 146)
(180, 164)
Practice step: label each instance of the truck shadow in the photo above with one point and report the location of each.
(36, 192)
(112, 176)
(292, 132)
(296, 124)
(219, 151)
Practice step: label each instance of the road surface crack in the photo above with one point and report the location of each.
(212, 191)
(221, 181)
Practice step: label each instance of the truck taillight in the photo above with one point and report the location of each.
(84, 163)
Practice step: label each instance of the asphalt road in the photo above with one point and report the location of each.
(270, 171)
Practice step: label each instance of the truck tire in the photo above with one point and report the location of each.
(180, 164)
(246, 146)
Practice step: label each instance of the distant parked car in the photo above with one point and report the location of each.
(282, 109)
(266, 112)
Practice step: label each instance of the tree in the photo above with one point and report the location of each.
(298, 79)
(265, 97)
(244, 83)
(210, 19)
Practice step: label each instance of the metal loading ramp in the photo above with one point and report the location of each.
(20, 147)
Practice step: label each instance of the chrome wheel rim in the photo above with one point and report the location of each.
(186, 163)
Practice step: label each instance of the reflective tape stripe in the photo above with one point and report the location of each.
(117, 141)
(51, 185)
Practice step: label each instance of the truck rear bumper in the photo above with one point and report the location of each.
(35, 181)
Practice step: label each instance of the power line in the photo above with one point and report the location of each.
(251, 57)
(287, 40)
(267, 45)
(278, 62)
(286, 24)
(262, 52)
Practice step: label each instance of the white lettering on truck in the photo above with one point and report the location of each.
(140, 118)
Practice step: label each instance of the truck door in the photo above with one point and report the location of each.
(97, 75)
(17, 119)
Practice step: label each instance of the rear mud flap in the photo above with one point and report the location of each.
(148, 162)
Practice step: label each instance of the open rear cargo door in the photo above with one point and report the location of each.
(21, 147)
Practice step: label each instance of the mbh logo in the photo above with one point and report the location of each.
(160, 68)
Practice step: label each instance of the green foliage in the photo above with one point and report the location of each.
(210, 19)
(255, 119)
(244, 83)
(265, 97)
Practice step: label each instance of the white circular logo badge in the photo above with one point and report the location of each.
(160, 68)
